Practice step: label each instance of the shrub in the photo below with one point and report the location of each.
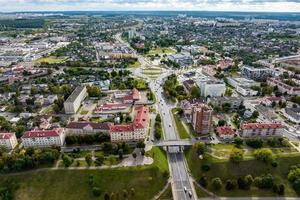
(230, 185)
(96, 191)
(205, 167)
(217, 183)
(274, 164)
(264, 154)
(203, 181)
(296, 186)
(236, 155)
(255, 143)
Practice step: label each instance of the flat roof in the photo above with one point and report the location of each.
(75, 94)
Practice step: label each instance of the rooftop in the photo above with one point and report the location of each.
(75, 94)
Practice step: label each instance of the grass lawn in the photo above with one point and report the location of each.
(161, 51)
(84, 112)
(183, 134)
(228, 170)
(200, 192)
(48, 110)
(167, 195)
(66, 184)
(50, 60)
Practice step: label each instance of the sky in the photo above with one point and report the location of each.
(134, 5)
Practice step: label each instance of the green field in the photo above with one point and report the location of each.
(136, 64)
(66, 184)
(228, 170)
(183, 134)
(161, 51)
(167, 195)
(50, 60)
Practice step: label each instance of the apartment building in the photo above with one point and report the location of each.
(74, 101)
(261, 129)
(135, 131)
(257, 74)
(202, 118)
(283, 87)
(212, 88)
(8, 140)
(43, 138)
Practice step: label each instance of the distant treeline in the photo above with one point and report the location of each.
(22, 23)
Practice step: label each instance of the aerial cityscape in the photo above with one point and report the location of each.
(149, 103)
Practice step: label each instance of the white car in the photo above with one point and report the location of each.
(185, 189)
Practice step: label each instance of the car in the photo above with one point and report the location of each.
(184, 189)
(190, 194)
(169, 125)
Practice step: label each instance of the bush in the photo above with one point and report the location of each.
(238, 141)
(217, 183)
(236, 155)
(200, 148)
(255, 143)
(274, 164)
(264, 154)
(96, 191)
(264, 182)
(205, 167)
(296, 186)
(230, 185)
(203, 181)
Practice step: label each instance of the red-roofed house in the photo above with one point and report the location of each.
(43, 138)
(225, 132)
(135, 131)
(261, 129)
(134, 96)
(8, 140)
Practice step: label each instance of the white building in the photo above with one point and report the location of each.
(43, 138)
(212, 88)
(243, 85)
(259, 73)
(261, 130)
(73, 102)
(8, 140)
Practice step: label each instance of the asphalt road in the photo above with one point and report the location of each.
(178, 169)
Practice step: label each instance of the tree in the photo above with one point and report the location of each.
(200, 148)
(221, 122)
(106, 196)
(230, 185)
(238, 141)
(255, 114)
(296, 186)
(67, 160)
(134, 155)
(264, 154)
(217, 183)
(203, 181)
(132, 191)
(96, 191)
(125, 194)
(120, 153)
(143, 152)
(195, 92)
(88, 159)
(236, 155)
(94, 91)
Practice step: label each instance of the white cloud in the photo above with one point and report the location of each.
(211, 5)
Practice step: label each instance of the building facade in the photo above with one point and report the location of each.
(81, 128)
(8, 140)
(261, 130)
(43, 138)
(74, 101)
(202, 118)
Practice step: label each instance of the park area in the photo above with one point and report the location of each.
(216, 164)
(141, 182)
(50, 60)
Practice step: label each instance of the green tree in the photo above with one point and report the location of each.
(88, 159)
(67, 160)
(236, 155)
(200, 148)
(217, 183)
(195, 92)
(264, 154)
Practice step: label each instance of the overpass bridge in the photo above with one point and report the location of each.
(174, 143)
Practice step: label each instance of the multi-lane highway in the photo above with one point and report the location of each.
(182, 187)
(181, 184)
